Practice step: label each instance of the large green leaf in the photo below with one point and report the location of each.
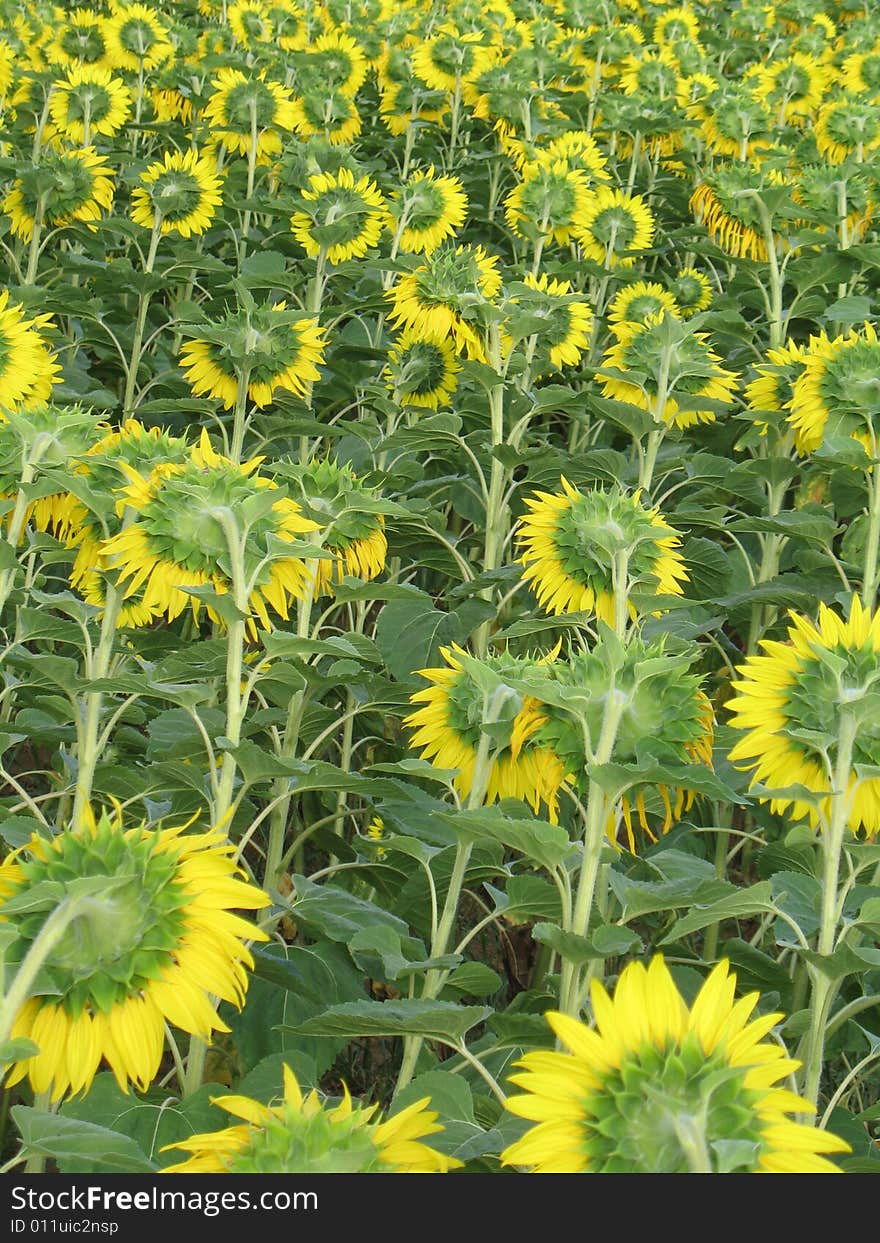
(434, 1020)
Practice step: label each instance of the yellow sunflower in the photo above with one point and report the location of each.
(578, 151)
(568, 542)
(427, 211)
(724, 203)
(613, 227)
(29, 369)
(249, 23)
(136, 39)
(178, 539)
(340, 216)
(301, 1135)
(422, 370)
(557, 320)
(277, 349)
(773, 385)
(80, 39)
(444, 296)
(450, 58)
(835, 392)
(634, 303)
(89, 101)
(180, 193)
(646, 353)
(353, 529)
(551, 200)
(659, 1088)
(447, 729)
(157, 943)
(242, 108)
(794, 695)
(692, 291)
(65, 187)
(848, 127)
(329, 114)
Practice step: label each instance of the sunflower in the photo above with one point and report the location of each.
(794, 86)
(180, 193)
(300, 1135)
(724, 203)
(613, 226)
(837, 390)
(340, 216)
(650, 75)
(80, 39)
(156, 944)
(551, 199)
(664, 714)
(250, 24)
(447, 295)
(773, 385)
(428, 210)
(28, 368)
(447, 727)
(694, 93)
(860, 73)
(692, 291)
(794, 696)
(568, 542)
(827, 190)
(405, 101)
(737, 123)
(450, 58)
(178, 540)
(274, 347)
(353, 529)
(241, 106)
(679, 22)
(578, 151)
(48, 437)
(664, 346)
(336, 60)
(658, 1088)
(70, 185)
(136, 39)
(329, 114)
(422, 369)
(131, 452)
(634, 303)
(89, 101)
(559, 321)
(846, 127)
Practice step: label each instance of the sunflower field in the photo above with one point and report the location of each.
(439, 573)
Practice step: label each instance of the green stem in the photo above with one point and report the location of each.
(251, 178)
(34, 249)
(87, 742)
(239, 414)
(832, 847)
(140, 322)
(30, 461)
(570, 985)
(648, 461)
(496, 512)
(710, 943)
(871, 572)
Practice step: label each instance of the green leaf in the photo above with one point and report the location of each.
(336, 914)
(754, 900)
(473, 979)
(542, 843)
(79, 1146)
(382, 954)
(410, 633)
(434, 1020)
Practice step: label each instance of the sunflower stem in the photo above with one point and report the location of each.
(772, 545)
(236, 698)
(871, 573)
(97, 668)
(30, 460)
(36, 1162)
(239, 414)
(570, 985)
(648, 460)
(435, 979)
(496, 512)
(454, 123)
(140, 322)
(831, 841)
(251, 178)
(34, 249)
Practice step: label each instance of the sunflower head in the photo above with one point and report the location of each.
(80, 38)
(266, 347)
(773, 386)
(795, 700)
(300, 1134)
(613, 227)
(548, 201)
(470, 698)
(64, 187)
(635, 303)
(726, 203)
(836, 396)
(451, 294)
(329, 112)
(352, 524)
(89, 100)
(845, 127)
(194, 521)
(692, 291)
(664, 719)
(29, 370)
(571, 541)
(137, 40)
(427, 211)
(241, 103)
(558, 320)
(45, 437)
(665, 367)
(179, 193)
(149, 937)
(659, 1088)
(422, 370)
(341, 215)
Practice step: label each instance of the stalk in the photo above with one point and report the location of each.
(34, 248)
(140, 322)
(251, 177)
(832, 848)
(239, 414)
(772, 546)
(871, 571)
(496, 514)
(98, 667)
(30, 461)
